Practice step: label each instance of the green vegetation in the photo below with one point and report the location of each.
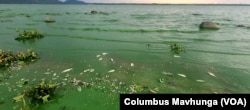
(177, 48)
(39, 94)
(29, 34)
(8, 58)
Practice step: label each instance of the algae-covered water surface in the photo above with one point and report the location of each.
(90, 57)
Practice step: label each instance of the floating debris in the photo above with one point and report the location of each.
(67, 70)
(111, 71)
(182, 75)
(211, 74)
(167, 73)
(200, 80)
(22, 82)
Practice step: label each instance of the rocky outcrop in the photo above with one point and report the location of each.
(209, 25)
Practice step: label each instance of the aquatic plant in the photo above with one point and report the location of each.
(29, 34)
(8, 58)
(39, 94)
(177, 48)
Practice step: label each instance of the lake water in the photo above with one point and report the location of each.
(126, 49)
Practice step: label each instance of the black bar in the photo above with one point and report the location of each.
(184, 101)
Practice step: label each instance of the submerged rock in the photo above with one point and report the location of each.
(241, 25)
(209, 25)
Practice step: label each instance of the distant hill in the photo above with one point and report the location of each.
(40, 2)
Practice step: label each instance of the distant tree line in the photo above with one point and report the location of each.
(40, 2)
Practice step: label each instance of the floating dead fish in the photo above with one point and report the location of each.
(211, 74)
(176, 56)
(182, 75)
(98, 55)
(104, 53)
(47, 73)
(111, 71)
(200, 80)
(152, 91)
(67, 70)
(67, 75)
(167, 73)
(79, 88)
(112, 59)
(89, 70)
(100, 59)
(132, 64)
(161, 80)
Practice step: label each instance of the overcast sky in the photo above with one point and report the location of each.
(171, 1)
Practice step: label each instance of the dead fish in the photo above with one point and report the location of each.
(132, 64)
(91, 70)
(85, 70)
(100, 59)
(182, 75)
(67, 75)
(79, 88)
(176, 56)
(200, 80)
(111, 71)
(167, 73)
(104, 53)
(47, 73)
(112, 59)
(211, 74)
(161, 80)
(152, 91)
(98, 55)
(67, 70)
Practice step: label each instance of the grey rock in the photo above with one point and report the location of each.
(209, 25)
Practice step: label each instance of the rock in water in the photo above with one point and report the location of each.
(49, 20)
(209, 25)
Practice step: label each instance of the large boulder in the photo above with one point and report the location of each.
(209, 25)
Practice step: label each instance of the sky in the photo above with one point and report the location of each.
(173, 1)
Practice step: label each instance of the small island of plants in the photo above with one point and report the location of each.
(8, 58)
(29, 34)
(36, 95)
(176, 48)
